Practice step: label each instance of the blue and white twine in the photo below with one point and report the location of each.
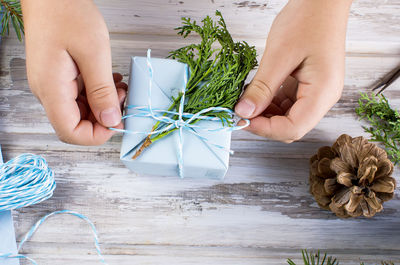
(35, 227)
(165, 116)
(27, 180)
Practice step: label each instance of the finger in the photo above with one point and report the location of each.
(275, 66)
(121, 96)
(304, 115)
(64, 113)
(121, 85)
(95, 66)
(83, 103)
(117, 77)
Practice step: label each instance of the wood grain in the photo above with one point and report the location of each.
(369, 20)
(261, 213)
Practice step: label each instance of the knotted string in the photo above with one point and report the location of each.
(167, 117)
(27, 180)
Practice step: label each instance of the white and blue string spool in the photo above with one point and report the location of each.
(166, 117)
(27, 180)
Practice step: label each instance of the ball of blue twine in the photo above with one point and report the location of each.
(25, 180)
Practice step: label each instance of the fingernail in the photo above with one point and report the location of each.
(110, 117)
(242, 123)
(245, 108)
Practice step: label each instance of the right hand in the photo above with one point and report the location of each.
(69, 69)
(301, 73)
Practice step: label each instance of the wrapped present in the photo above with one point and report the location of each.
(192, 150)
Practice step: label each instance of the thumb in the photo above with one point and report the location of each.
(95, 66)
(273, 70)
(103, 101)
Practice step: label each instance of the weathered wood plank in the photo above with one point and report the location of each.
(369, 20)
(191, 255)
(259, 195)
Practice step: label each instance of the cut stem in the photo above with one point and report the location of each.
(146, 144)
(148, 141)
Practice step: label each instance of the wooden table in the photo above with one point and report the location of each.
(262, 213)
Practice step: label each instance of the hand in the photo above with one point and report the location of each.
(68, 61)
(301, 73)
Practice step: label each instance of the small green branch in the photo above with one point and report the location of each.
(384, 122)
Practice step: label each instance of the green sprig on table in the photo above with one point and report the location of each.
(218, 68)
(317, 258)
(384, 122)
(12, 14)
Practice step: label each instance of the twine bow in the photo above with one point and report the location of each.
(183, 121)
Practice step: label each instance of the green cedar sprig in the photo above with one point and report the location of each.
(217, 74)
(12, 14)
(218, 68)
(384, 122)
(317, 258)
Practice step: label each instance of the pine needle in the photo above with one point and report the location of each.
(11, 14)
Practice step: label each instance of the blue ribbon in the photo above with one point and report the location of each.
(164, 116)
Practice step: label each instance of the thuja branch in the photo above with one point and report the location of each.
(384, 122)
(12, 14)
(218, 68)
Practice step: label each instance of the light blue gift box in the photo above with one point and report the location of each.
(200, 159)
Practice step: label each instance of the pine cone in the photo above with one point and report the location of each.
(351, 178)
